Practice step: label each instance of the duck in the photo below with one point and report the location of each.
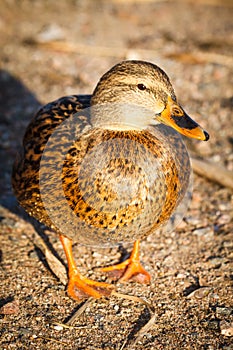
(107, 168)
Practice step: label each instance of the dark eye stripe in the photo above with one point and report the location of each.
(141, 87)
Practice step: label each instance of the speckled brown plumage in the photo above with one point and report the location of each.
(104, 176)
(25, 176)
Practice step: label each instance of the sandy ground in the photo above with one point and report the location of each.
(54, 48)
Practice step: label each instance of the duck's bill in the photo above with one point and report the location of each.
(173, 115)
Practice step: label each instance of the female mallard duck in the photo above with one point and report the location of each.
(103, 169)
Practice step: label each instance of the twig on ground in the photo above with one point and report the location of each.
(140, 333)
(79, 312)
(213, 172)
(55, 265)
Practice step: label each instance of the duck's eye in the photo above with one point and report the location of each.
(177, 112)
(141, 87)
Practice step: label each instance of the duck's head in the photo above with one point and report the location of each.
(144, 85)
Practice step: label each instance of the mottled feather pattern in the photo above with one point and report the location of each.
(114, 223)
(95, 184)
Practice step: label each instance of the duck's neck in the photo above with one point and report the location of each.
(120, 116)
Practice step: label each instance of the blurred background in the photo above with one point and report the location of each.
(50, 49)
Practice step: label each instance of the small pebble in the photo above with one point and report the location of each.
(216, 262)
(58, 328)
(223, 311)
(224, 219)
(200, 293)
(204, 231)
(11, 308)
(24, 331)
(226, 328)
(182, 275)
(213, 324)
(33, 254)
(192, 220)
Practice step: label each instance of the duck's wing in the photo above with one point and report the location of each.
(26, 169)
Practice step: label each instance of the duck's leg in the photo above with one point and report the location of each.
(130, 268)
(80, 287)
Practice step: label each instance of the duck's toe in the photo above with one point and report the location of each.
(130, 269)
(80, 287)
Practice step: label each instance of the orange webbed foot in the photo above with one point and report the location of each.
(80, 287)
(130, 269)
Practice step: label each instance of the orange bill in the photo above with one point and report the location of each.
(173, 115)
